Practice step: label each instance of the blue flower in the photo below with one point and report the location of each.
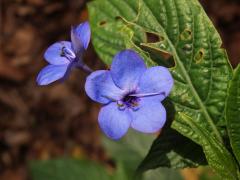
(64, 55)
(131, 94)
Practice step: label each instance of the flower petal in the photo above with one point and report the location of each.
(101, 88)
(127, 67)
(80, 36)
(156, 79)
(53, 53)
(51, 73)
(114, 122)
(150, 115)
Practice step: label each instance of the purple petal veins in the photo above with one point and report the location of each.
(131, 94)
(65, 55)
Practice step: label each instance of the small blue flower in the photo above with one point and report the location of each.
(64, 55)
(131, 94)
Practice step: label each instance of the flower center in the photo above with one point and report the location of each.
(129, 101)
(68, 53)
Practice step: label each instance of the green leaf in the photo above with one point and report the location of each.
(184, 31)
(217, 155)
(233, 113)
(70, 169)
(201, 69)
(129, 152)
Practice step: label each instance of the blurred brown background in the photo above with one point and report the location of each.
(43, 122)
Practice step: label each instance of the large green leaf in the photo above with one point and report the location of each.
(67, 169)
(183, 30)
(201, 69)
(219, 158)
(233, 113)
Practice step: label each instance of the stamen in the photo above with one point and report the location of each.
(68, 53)
(130, 102)
(147, 94)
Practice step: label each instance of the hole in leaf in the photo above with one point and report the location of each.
(102, 23)
(199, 56)
(186, 34)
(152, 38)
(161, 58)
